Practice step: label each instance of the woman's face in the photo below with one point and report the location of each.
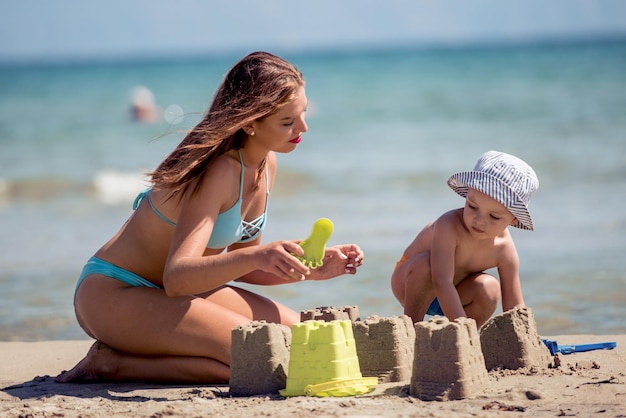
(282, 131)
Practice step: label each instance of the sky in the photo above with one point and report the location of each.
(79, 29)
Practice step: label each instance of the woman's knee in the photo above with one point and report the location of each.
(252, 306)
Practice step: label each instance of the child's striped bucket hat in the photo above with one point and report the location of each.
(506, 179)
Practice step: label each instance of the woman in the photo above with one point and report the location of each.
(156, 296)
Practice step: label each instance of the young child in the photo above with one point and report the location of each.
(442, 272)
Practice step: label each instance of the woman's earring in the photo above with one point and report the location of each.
(252, 133)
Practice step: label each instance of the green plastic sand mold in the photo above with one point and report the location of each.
(315, 245)
(323, 361)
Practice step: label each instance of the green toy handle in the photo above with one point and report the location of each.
(315, 245)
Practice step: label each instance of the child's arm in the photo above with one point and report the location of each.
(442, 265)
(508, 270)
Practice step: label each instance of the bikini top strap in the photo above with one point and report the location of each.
(146, 194)
(267, 186)
(140, 197)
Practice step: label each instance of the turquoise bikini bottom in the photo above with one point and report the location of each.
(97, 266)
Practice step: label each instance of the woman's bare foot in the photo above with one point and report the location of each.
(98, 365)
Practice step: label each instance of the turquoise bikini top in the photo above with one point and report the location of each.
(229, 228)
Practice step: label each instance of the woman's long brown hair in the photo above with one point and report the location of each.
(257, 86)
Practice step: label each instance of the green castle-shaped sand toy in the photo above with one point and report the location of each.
(315, 245)
(323, 361)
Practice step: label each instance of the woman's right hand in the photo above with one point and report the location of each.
(278, 258)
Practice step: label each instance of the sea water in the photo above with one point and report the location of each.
(386, 130)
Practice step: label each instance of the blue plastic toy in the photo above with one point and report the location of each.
(578, 348)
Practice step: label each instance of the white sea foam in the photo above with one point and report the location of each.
(116, 187)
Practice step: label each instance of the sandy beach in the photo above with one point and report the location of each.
(585, 384)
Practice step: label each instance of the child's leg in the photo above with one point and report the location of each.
(412, 285)
(480, 294)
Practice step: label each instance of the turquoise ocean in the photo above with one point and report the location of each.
(386, 130)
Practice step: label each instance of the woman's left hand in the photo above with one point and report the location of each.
(338, 260)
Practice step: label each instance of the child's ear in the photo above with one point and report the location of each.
(513, 222)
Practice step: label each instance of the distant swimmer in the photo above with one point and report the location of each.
(143, 106)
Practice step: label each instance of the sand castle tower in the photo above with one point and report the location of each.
(510, 341)
(329, 313)
(385, 347)
(259, 358)
(448, 362)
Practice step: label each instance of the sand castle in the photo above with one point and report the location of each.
(441, 359)
(448, 362)
(260, 351)
(259, 358)
(510, 341)
(385, 347)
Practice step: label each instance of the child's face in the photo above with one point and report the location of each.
(484, 216)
